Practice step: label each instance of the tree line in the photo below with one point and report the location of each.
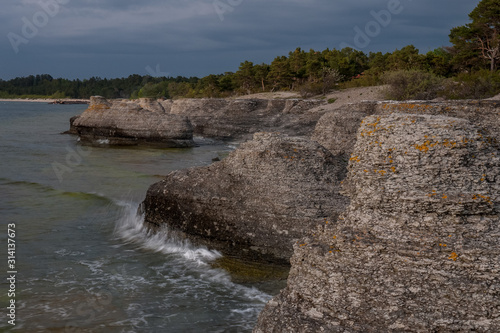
(473, 56)
(47, 86)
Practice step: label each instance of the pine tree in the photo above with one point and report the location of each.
(481, 37)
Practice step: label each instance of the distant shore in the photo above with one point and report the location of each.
(46, 100)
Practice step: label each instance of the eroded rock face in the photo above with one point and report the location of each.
(72, 128)
(336, 130)
(417, 250)
(239, 119)
(255, 203)
(124, 122)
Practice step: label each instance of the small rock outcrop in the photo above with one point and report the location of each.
(417, 250)
(256, 202)
(122, 122)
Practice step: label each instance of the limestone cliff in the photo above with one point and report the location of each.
(124, 122)
(418, 249)
(239, 119)
(336, 130)
(175, 121)
(255, 203)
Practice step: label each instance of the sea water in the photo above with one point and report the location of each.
(83, 260)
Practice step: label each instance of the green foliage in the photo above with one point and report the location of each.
(477, 85)
(227, 82)
(348, 62)
(412, 84)
(209, 86)
(331, 78)
(368, 78)
(331, 100)
(58, 95)
(245, 77)
(179, 89)
(478, 42)
(280, 75)
(153, 90)
(310, 89)
(46, 86)
(408, 58)
(261, 73)
(377, 62)
(439, 62)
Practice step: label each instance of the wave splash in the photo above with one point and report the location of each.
(131, 229)
(200, 280)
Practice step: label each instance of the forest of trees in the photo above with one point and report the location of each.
(468, 68)
(46, 86)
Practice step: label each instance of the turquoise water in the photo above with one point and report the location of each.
(83, 261)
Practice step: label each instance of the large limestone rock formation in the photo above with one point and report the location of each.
(174, 121)
(124, 122)
(239, 119)
(336, 130)
(257, 202)
(417, 250)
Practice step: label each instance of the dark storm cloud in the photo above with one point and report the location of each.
(112, 38)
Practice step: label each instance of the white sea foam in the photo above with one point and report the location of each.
(96, 267)
(192, 277)
(130, 228)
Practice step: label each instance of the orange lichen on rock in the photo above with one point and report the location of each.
(355, 158)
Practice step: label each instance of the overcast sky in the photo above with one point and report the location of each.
(116, 38)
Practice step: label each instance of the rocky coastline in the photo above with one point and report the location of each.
(387, 212)
(173, 123)
(256, 202)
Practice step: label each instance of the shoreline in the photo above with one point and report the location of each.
(47, 100)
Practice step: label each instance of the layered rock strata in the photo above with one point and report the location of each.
(417, 250)
(256, 202)
(336, 130)
(239, 119)
(122, 122)
(150, 120)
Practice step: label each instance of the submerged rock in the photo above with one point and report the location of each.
(122, 122)
(256, 202)
(417, 250)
